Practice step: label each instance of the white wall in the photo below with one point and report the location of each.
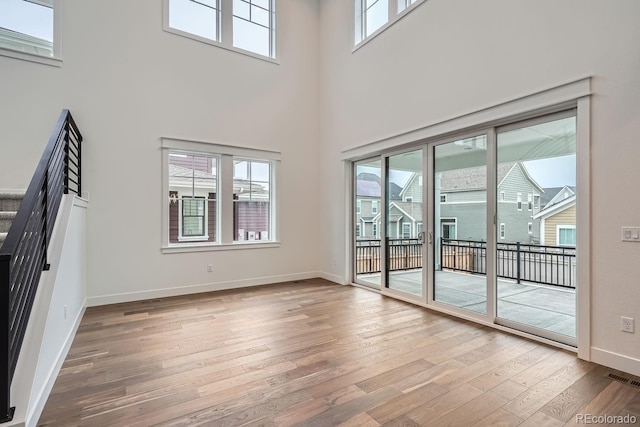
(446, 59)
(128, 83)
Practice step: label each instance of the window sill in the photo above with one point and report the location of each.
(200, 247)
(29, 57)
(221, 45)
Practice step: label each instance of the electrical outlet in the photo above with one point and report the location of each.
(209, 268)
(626, 324)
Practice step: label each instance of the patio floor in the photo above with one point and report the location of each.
(545, 307)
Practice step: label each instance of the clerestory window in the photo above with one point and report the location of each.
(27, 30)
(246, 26)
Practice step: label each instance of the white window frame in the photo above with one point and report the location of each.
(359, 20)
(375, 229)
(503, 231)
(56, 59)
(408, 199)
(358, 230)
(530, 227)
(224, 194)
(565, 227)
(358, 206)
(374, 206)
(225, 31)
(443, 198)
(529, 202)
(182, 237)
(519, 201)
(406, 226)
(502, 196)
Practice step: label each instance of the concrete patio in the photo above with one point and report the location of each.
(545, 307)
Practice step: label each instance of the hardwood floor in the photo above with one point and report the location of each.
(312, 353)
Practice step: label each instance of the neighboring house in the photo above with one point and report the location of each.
(462, 195)
(369, 205)
(557, 219)
(192, 203)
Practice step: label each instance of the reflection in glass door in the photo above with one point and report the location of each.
(460, 223)
(404, 222)
(367, 222)
(536, 227)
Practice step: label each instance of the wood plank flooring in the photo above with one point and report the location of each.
(312, 353)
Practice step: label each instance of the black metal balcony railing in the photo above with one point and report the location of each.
(23, 256)
(549, 265)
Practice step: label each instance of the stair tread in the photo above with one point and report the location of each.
(8, 214)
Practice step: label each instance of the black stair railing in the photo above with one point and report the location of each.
(23, 256)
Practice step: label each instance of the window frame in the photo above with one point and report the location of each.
(502, 231)
(560, 227)
(359, 20)
(519, 201)
(56, 59)
(224, 194)
(205, 219)
(405, 226)
(225, 31)
(374, 207)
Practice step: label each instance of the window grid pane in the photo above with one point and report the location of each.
(252, 200)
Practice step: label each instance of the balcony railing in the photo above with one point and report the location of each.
(549, 265)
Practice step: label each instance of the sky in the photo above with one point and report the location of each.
(27, 18)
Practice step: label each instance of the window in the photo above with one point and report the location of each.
(193, 217)
(358, 206)
(218, 196)
(502, 196)
(566, 235)
(372, 15)
(448, 228)
(443, 198)
(502, 230)
(251, 200)
(536, 201)
(192, 189)
(357, 230)
(27, 30)
(375, 230)
(418, 228)
(374, 206)
(529, 202)
(519, 201)
(403, 4)
(406, 230)
(247, 26)
(408, 199)
(530, 227)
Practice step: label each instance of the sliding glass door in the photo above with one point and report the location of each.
(482, 225)
(367, 221)
(460, 223)
(404, 228)
(536, 227)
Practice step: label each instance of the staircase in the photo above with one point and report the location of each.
(9, 204)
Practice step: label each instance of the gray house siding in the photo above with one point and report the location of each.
(414, 191)
(465, 196)
(471, 219)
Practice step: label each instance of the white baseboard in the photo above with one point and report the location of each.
(331, 277)
(36, 407)
(196, 289)
(617, 361)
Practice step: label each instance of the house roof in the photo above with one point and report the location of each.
(413, 210)
(469, 179)
(475, 178)
(368, 185)
(553, 195)
(555, 208)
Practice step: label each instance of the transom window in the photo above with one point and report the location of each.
(27, 27)
(372, 16)
(242, 25)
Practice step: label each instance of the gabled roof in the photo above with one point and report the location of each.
(555, 195)
(555, 208)
(475, 178)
